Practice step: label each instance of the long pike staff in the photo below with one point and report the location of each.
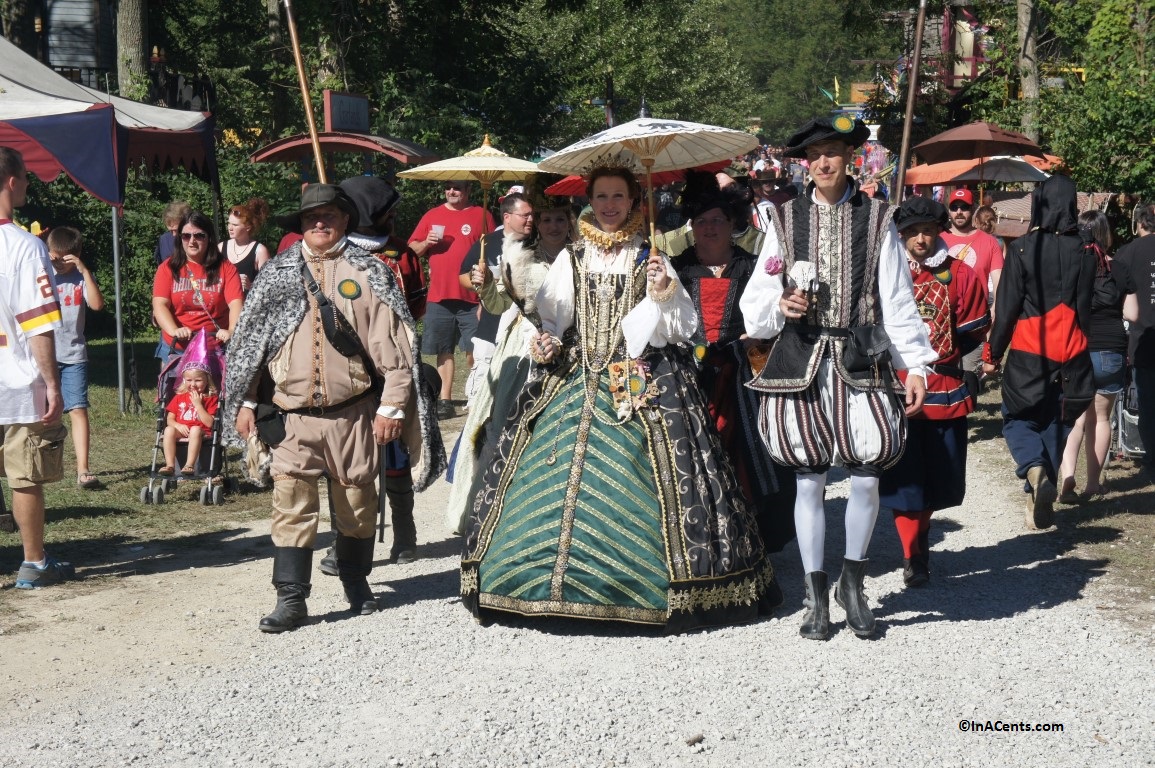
(312, 123)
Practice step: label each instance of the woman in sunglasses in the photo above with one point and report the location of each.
(195, 288)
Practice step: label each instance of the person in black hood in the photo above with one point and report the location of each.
(1042, 317)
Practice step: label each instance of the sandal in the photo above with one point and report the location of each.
(87, 481)
(189, 471)
(166, 470)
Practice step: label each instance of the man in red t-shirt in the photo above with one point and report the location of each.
(975, 248)
(443, 237)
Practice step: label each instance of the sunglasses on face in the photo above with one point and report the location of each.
(960, 207)
(200, 237)
(458, 187)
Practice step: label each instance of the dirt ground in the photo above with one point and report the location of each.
(193, 602)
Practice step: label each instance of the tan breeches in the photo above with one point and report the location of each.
(338, 445)
(296, 506)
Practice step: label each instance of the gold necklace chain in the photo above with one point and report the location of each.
(601, 323)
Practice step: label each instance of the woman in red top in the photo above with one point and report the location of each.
(952, 301)
(196, 288)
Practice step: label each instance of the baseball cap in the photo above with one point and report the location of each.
(962, 196)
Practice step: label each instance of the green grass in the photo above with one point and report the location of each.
(87, 527)
(82, 524)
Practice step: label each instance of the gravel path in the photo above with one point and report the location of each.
(167, 668)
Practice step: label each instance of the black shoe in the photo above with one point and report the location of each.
(354, 563)
(915, 572)
(445, 409)
(290, 611)
(849, 593)
(816, 620)
(399, 491)
(328, 564)
(292, 568)
(360, 596)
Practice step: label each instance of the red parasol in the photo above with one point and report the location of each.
(574, 186)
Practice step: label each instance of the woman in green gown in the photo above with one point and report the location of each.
(609, 496)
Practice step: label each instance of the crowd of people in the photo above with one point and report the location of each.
(647, 420)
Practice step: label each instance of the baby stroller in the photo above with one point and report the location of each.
(1125, 440)
(211, 462)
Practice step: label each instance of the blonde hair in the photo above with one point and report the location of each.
(183, 388)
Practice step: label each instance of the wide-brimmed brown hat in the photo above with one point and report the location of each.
(315, 196)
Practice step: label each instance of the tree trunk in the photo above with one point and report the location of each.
(277, 40)
(20, 25)
(1028, 66)
(131, 49)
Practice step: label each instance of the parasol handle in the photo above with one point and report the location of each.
(484, 222)
(648, 163)
(309, 119)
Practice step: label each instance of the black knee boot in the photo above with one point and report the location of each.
(291, 577)
(354, 562)
(816, 621)
(400, 493)
(848, 592)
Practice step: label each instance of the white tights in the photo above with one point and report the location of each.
(810, 518)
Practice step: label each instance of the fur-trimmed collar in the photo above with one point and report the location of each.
(273, 309)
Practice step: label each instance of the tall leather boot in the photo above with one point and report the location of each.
(400, 493)
(354, 562)
(816, 621)
(292, 568)
(848, 593)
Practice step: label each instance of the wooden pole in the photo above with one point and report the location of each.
(309, 119)
(911, 93)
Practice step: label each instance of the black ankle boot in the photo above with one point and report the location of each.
(848, 593)
(354, 562)
(328, 564)
(914, 571)
(816, 621)
(291, 576)
(400, 493)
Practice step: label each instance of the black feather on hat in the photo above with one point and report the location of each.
(920, 210)
(842, 128)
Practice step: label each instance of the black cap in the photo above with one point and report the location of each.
(920, 210)
(374, 197)
(841, 128)
(315, 196)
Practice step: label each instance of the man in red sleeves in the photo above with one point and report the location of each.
(952, 301)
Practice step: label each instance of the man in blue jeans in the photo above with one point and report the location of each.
(1134, 269)
(1042, 315)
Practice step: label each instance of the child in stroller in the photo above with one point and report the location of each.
(190, 413)
(187, 398)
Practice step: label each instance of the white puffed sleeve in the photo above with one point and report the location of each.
(660, 323)
(759, 302)
(555, 299)
(910, 347)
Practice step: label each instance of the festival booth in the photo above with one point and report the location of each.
(61, 126)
